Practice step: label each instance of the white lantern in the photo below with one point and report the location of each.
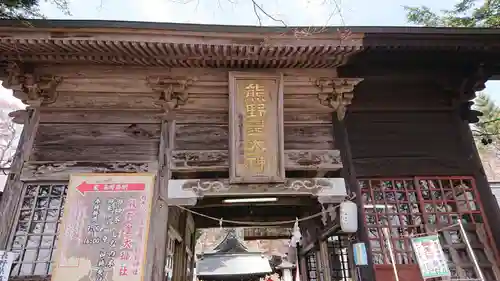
(348, 217)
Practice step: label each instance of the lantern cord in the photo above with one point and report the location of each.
(257, 223)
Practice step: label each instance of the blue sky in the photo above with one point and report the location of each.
(240, 12)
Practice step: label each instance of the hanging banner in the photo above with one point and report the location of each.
(430, 257)
(105, 228)
(6, 260)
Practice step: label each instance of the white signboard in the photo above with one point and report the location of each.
(430, 257)
(6, 260)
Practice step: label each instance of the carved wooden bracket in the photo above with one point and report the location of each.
(173, 91)
(20, 116)
(463, 88)
(337, 93)
(62, 170)
(32, 89)
(187, 192)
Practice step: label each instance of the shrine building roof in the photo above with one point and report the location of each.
(196, 45)
(232, 257)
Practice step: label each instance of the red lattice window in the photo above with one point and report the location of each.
(411, 206)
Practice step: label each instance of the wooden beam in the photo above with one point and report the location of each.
(14, 187)
(217, 202)
(188, 192)
(349, 175)
(83, 115)
(60, 171)
(181, 161)
(218, 160)
(157, 242)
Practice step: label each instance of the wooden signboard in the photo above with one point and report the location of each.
(256, 128)
(267, 233)
(105, 228)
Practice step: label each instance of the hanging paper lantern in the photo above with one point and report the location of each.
(348, 217)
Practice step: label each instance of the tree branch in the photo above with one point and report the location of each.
(257, 7)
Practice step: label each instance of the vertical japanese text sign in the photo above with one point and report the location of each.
(105, 228)
(430, 257)
(6, 260)
(256, 128)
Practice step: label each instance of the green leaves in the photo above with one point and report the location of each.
(488, 127)
(466, 13)
(27, 9)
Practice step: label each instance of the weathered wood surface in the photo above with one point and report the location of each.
(256, 127)
(256, 233)
(55, 171)
(193, 188)
(95, 153)
(126, 74)
(149, 101)
(202, 86)
(93, 87)
(402, 95)
(180, 261)
(216, 137)
(410, 166)
(98, 134)
(216, 160)
(181, 161)
(155, 269)
(13, 191)
(65, 116)
(311, 230)
(174, 217)
(309, 137)
(48, 116)
(390, 140)
(350, 175)
(394, 141)
(325, 257)
(95, 142)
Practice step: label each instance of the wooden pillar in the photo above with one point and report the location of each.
(158, 240)
(189, 236)
(325, 261)
(304, 274)
(349, 174)
(13, 191)
(180, 260)
(193, 251)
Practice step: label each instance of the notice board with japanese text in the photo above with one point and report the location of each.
(105, 228)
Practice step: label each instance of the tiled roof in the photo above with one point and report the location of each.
(232, 264)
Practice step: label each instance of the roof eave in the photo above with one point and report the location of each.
(187, 27)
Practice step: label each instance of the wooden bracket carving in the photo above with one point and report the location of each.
(463, 87)
(62, 170)
(32, 89)
(337, 93)
(20, 116)
(474, 82)
(173, 92)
